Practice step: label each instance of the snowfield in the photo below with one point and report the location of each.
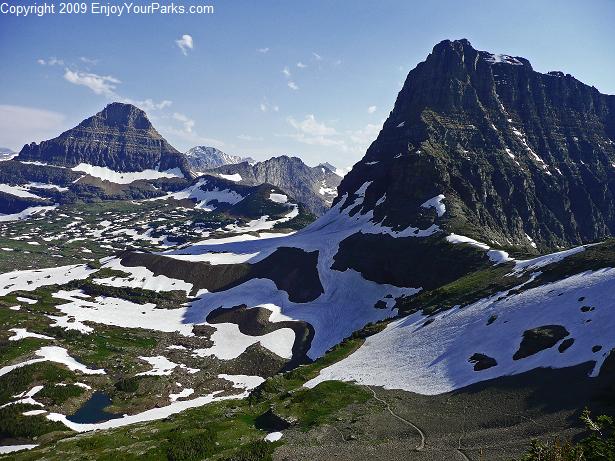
(203, 197)
(30, 280)
(433, 359)
(117, 177)
(118, 312)
(30, 211)
(54, 354)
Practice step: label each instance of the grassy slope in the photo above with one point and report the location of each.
(223, 430)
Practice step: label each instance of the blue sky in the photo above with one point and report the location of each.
(309, 78)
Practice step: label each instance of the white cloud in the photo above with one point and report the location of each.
(188, 123)
(286, 71)
(300, 65)
(371, 109)
(311, 126)
(185, 43)
(85, 60)
(106, 86)
(53, 61)
(181, 132)
(148, 105)
(317, 56)
(21, 125)
(246, 137)
(311, 131)
(99, 84)
(292, 85)
(265, 106)
(363, 137)
(263, 50)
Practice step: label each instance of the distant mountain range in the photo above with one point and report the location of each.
(203, 158)
(315, 187)
(6, 154)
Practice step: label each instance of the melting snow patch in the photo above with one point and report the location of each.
(21, 299)
(231, 177)
(273, 437)
(496, 256)
(54, 354)
(13, 448)
(243, 381)
(230, 343)
(187, 392)
(149, 415)
(30, 280)
(122, 313)
(30, 211)
(541, 261)
(501, 58)
(437, 204)
(18, 191)
(107, 174)
(141, 277)
(21, 333)
(160, 366)
(278, 198)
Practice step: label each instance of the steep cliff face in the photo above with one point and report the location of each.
(524, 159)
(119, 137)
(315, 187)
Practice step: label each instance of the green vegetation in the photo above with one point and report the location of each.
(223, 430)
(24, 378)
(55, 395)
(190, 446)
(14, 425)
(463, 291)
(598, 446)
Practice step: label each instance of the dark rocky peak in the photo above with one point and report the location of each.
(119, 137)
(523, 158)
(121, 116)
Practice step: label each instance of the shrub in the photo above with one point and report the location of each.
(190, 446)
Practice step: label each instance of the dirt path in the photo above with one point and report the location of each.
(421, 445)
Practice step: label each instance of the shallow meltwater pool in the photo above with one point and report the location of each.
(93, 410)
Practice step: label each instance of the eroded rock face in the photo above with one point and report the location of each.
(202, 158)
(516, 153)
(315, 187)
(119, 137)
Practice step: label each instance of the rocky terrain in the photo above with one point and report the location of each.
(203, 158)
(315, 187)
(524, 159)
(120, 137)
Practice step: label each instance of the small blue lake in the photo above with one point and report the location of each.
(93, 410)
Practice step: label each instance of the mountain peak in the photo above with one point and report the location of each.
(491, 134)
(119, 137)
(120, 115)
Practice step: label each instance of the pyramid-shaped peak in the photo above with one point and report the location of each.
(121, 115)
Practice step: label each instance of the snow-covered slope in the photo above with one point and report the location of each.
(434, 357)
